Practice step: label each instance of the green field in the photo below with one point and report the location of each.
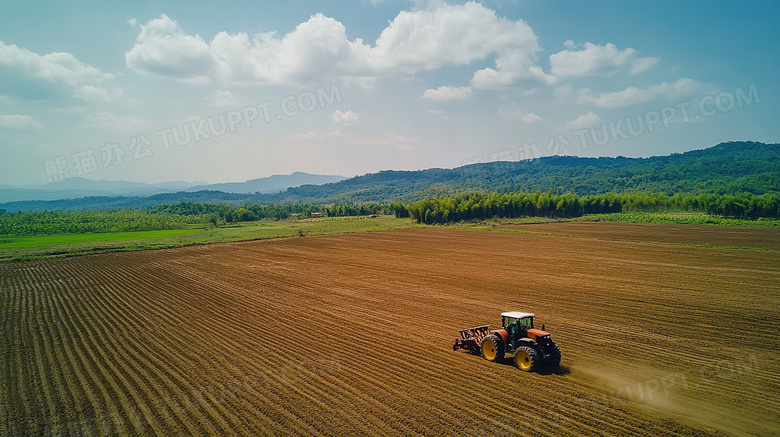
(67, 239)
(47, 246)
(678, 218)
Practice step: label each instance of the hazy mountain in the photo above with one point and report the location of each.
(271, 184)
(74, 188)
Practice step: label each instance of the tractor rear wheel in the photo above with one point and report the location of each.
(555, 361)
(492, 348)
(526, 358)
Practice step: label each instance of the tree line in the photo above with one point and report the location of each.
(481, 206)
(169, 216)
(225, 213)
(230, 213)
(431, 210)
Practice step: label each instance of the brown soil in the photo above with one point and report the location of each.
(352, 334)
(705, 235)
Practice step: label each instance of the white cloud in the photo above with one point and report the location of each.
(422, 39)
(517, 114)
(162, 48)
(597, 60)
(348, 118)
(132, 22)
(584, 120)
(511, 68)
(633, 95)
(221, 99)
(61, 68)
(530, 117)
(19, 122)
(92, 93)
(446, 34)
(447, 93)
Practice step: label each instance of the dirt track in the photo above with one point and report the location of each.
(352, 334)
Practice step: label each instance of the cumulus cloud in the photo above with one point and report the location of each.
(584, 120)
(511, 68)
(633, 95)
(162, 48)
(449, 34)
(19, 122)
(420, 39)
(443, 93)
(84, 80)
(348, 118)
(597, 60)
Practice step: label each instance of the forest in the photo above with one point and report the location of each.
(481, 206)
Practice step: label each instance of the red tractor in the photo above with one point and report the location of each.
(528, 346)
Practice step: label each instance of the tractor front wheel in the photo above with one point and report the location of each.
(492, 348)
(526, 358)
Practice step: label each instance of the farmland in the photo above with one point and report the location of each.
(665, 330)
(17, 248)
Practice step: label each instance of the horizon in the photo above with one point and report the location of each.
(196, 184)
(252, 91)
(199, 183)
(183, 181)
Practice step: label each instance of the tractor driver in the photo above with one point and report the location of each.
(511, 329)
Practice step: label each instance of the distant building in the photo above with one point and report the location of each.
(316, 214)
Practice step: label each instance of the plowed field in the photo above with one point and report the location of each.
(351, 335)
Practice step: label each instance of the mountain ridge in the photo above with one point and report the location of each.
(76, 187)
(726, 168)
(270, 184)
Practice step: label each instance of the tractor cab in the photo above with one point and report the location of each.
(516, 324)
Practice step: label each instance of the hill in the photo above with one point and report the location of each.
(727, 168)
(271, 184)
(76, 187)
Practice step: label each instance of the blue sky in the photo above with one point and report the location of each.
(166, 90)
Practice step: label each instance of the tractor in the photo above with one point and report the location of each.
(528, 346)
